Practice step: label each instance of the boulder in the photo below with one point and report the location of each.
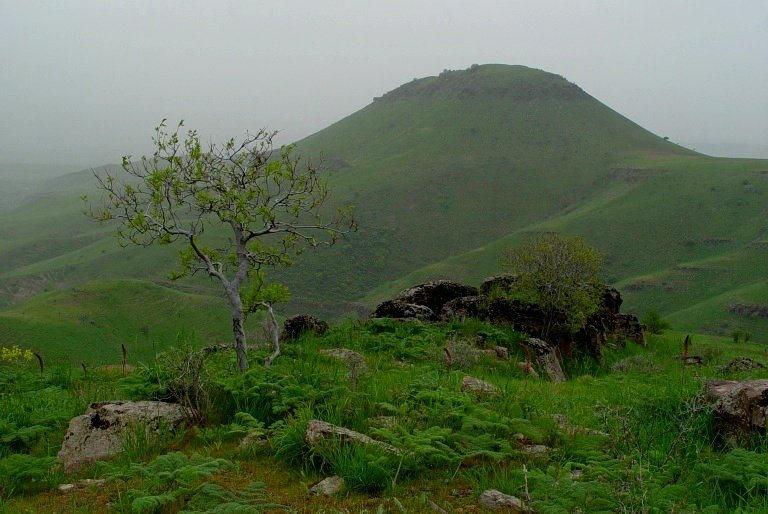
(100, 432)
(627, 326)
(436, 294)
(355, 362)
(497, 500)
(477, 386)
(462, 308)
(740, 408)
(320, 430)
(299, 324)
(611, 301)
(402, 310)
(328, 486)
(546, 358)
(350, 358)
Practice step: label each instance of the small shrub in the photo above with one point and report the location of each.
(654, 323)
(739, 336)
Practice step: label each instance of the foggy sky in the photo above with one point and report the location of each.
(84, 82)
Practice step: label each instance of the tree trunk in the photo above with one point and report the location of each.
(274, 330)
(238, 330)
(239, 333)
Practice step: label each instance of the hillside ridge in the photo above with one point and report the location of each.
(466, 161)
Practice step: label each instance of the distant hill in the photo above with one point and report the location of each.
(446, 173)
(89, 323)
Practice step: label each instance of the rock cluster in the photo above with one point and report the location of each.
(444, 300)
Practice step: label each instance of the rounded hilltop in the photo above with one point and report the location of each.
(495, 81)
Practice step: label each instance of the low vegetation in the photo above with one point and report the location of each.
(631, 434)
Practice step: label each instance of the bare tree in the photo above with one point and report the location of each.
(268, 200)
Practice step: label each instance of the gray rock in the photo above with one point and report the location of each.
(477, 386)
(350, 357)
(328, 486)
(320, 430)
(80, 485)
(100, 432)
(546, 357)
(497, 500)
(535, 449)
(740, 408)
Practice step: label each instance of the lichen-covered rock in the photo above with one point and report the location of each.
(299, 324)
(398, 309)
(328, 486)
(436, 294)
(462, 308)
(319, 430)
(354, 362)
(546, 357)
(477, 386)
(100, 432)
(740, 408)
(497, 500)
(627, 326)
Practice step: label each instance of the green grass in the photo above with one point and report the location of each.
(89, 323)
(637, 431)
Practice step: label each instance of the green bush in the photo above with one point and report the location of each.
(654, 323)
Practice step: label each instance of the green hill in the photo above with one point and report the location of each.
(90, 322)
(446, 173)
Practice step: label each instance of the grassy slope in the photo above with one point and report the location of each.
(88, 323)
(675, 233)
(448, 171)
(654, 450)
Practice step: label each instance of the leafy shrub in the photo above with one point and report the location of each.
(740, 335)
(179, 375)
(654, 323)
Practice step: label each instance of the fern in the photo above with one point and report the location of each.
(740, 475)
(21, 473)
(176, 481)
(214, 499)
